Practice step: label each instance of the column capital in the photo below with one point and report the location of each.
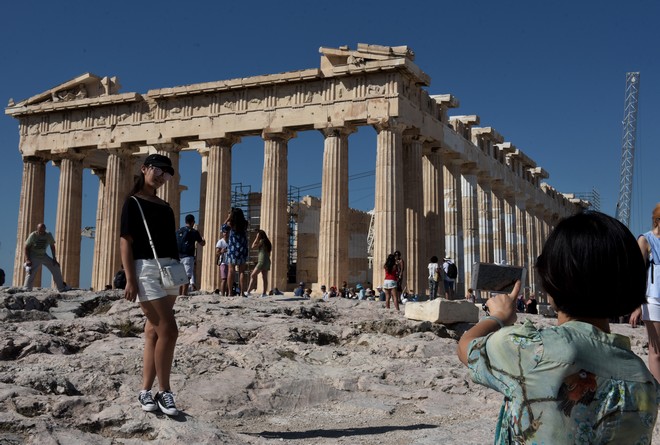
(277, 134)
(169, 147)
(122, 150)
(469, 168)
(391, 124)
(34, 159)
(228, 140)
(68, 153)
(336, 130)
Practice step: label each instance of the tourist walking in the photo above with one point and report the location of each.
(187, 239)
(143, 280)
(649, 243)
(390, 283)
(262, 243)
(449, 277)
(575, 382)
(35, 257)
(237, 252)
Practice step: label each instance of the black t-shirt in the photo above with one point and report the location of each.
(160, 219)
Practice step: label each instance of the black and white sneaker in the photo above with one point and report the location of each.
(147, 401)
(165, 401)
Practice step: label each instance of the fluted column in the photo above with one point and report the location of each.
(30, 212)
(389, 214)
(97, 282)
(521, 231)
(532, 253)
(499, 226)
(470, 220)
(217, 205)
(510, 230)
(434, 210)
(170, 191)
(415, 277)
(274, 219)
(118, 182)
(210, 243)
(69, 217)
(485, 197)
(333, 225)
(454, 219)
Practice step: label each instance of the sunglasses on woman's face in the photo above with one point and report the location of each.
(159, 172)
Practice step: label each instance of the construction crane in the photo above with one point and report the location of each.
(628, 147)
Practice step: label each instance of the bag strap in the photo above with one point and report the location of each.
(151, 242)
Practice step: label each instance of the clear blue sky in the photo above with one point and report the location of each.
(549, 76)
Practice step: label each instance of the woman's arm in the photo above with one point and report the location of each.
(502, 308)
(126, 250)
(644, 246)
(255, 243)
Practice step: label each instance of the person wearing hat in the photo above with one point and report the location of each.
(360, 291)
(221, 248)
(380, 293)
(143, 281)
(300, 290)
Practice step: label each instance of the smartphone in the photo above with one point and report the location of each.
(499, 278)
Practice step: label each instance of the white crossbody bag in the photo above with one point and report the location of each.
(173, 275)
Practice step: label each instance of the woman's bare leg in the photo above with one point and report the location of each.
(653, 330)
(161, 333)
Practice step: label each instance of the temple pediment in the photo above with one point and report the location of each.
(84, 86)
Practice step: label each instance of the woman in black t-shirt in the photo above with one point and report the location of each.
(143, 277)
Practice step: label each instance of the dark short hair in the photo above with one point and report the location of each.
(434, 259)
(190, 219)
(591, 266)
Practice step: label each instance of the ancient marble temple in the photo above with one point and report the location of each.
(477, 197)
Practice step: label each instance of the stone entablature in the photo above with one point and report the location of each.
(88, 120)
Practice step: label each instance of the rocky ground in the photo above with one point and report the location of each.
(246, 371)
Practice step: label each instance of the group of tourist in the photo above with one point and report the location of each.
(573, 383)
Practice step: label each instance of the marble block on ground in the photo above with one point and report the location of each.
(443, 311)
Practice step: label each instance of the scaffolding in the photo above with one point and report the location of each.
(593, 197)
(293, 207)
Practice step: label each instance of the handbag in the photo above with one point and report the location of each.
(173, 275)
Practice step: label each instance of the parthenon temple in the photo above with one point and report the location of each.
(476, 198)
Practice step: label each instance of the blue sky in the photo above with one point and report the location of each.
(549, 76)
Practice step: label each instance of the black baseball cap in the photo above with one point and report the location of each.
(160, 161)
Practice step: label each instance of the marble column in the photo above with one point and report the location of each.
(97, 282)
(30, 212)
(389, 210)
(416, 274)
(486, 223)
(510, 229)
(118, 182)
(471, 242)
(210, 243)
(69, 217)
(217, 205)
(532, 252)
(334, 218)
(454, 219)
(499, 226)
(434, 210)
(170, 192)
(274, 218)
(521, 231)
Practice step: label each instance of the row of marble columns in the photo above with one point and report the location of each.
(427, 202)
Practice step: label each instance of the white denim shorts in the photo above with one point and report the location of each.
(389, 284)
(651, 312)
(150, 286)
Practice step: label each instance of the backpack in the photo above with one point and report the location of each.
(119, 282)
(185, 242)
(452, 271)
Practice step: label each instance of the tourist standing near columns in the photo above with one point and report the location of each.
(35, 256)
(450, 275)
(237, 252)
(400, 269)
(221, 248)
(390, 283)
(262, 243)
(143, 277)
(649, 243)
(187, 239)
(434, 277)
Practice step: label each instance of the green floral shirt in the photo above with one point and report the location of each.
(568, 384)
